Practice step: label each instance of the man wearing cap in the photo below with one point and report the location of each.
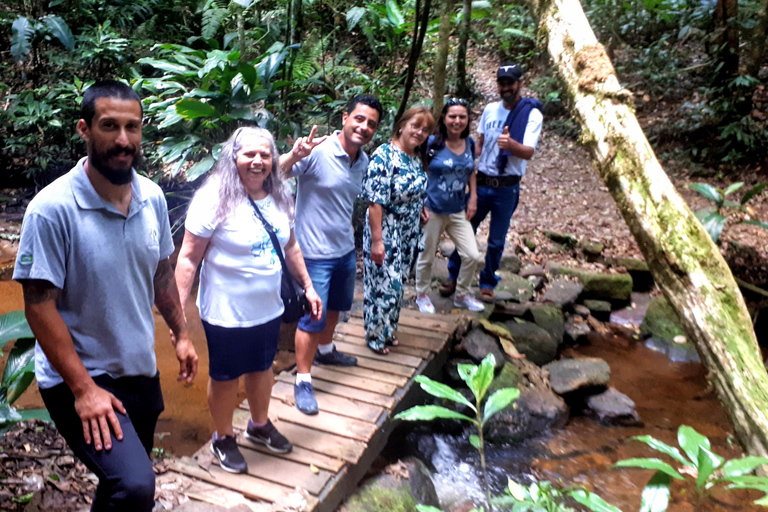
(506, 140)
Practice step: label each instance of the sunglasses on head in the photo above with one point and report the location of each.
(457, 101)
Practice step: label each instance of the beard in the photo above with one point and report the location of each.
(115, 175)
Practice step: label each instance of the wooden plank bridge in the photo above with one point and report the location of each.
(333, 449)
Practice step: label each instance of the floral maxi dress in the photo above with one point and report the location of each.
(398, 183)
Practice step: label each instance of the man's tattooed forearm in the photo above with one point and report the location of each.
(37, 291)
(167, 297)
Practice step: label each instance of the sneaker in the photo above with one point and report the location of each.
(335, 358)
(487, 295)
(304, 396)
(268, 436)
(447, 288)
(225, 449)
(469, 302)
(425, 305)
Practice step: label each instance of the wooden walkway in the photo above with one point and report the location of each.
(333, 450)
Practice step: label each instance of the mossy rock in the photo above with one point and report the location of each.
(600, 309)
(661, 321)
(598, 285)
(550, 318)
(519, 288)
(642, 279)
(533, 341)
(508, 377)
(385, 493)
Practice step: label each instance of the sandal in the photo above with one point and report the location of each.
(393, 342)
(487, 295)
(381, 351)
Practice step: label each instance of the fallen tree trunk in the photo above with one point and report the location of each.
(684, 261)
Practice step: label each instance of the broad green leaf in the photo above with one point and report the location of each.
(516, 490)
(655, 497)
(8, 414)
(394, 14)
(760, 223)
(164, 65)
(427, 508)
(483, 377)
(753, 192)
(690, 441)
(13, 325)
(24, 499)
(733, 187)
(592, 501)
(354, 15)
(440, 390)
(249, 73)
(190, 108)
(200, 168)
(656, 464)
(60, 30)
(474, 440)
(498, 401)
(743, 466)
(714, 224)
(730, 204)
(466, 372)
(749, 482)
(708, 462)
(707, 191)
(763, 502)
(430, 412)
(662, 447)
(243, 3)
(20, 41)
(35, 414)
(19, 369)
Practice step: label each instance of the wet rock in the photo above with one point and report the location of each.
(581, 310)
(502, 296)
(537, 282)
(478, 344)
(520, 288)
(598, 285)
(612, 407)
(583, 374)
(576, 332)
(535, 412)
(510, 262)
(590, 248)
(599, 309)
(509, 309)
(661, 321)
(678, 352)
(446, 247)
(533, 341)
(400, 487)
(532, 270)
(508, 377)
(642, 279)
(550, 318)
(562, 292)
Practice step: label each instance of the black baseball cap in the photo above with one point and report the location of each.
(509, 70)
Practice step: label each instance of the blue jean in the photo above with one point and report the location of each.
(334, 281)
(501, 203)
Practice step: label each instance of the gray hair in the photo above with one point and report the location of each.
(231, 189)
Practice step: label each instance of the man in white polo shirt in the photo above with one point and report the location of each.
(329, 180)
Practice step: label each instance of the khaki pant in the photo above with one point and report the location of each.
(460, 231)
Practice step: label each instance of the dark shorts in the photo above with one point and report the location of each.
(235, 351)
(334, 282)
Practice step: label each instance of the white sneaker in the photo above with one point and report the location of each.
(425, 305)
(469, 302)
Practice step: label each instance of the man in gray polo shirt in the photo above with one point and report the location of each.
(329, 180)
(92, 261)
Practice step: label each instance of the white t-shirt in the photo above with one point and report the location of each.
(241, 272)
(491, 126)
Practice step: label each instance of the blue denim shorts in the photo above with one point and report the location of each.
(235, 351)
(334, 282)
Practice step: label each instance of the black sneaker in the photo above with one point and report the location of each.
(269, 437)
(304, 395)
(335, 358)
(225, 449)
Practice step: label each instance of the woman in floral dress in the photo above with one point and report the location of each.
(395, 186)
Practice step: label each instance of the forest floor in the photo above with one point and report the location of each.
(561, 193)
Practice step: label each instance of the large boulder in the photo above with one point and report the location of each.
(562, 292)
(478, 344)
(399, 488)
(550, 318)
(585, 374)
(616, 288)
(612, 407)
(519, 288)
(535, 412)
(642, 280)
(661, 322)
(533, 341)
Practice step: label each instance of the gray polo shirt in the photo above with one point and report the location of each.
(104, 264)
(328, 184)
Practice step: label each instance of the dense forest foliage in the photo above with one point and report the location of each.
(696, 67)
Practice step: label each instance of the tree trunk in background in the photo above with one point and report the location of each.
(298, 24)
(443, 44)
(462, 87)
(419, 31)
(726, 20)
(684, 261)
(757, 52)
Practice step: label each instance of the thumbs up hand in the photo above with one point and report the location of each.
(505, 141)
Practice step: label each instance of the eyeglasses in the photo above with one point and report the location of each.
(457, 101)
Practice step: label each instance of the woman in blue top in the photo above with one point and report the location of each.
(451, 157)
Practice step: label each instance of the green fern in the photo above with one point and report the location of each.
(214, 14)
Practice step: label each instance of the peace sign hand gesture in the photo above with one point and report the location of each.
(304, 145)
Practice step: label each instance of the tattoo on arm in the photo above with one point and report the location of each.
(167, 297)
(37, 291)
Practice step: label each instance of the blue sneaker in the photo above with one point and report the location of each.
(304, 396)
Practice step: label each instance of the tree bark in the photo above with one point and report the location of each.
(757, 52)
(443, 44)
(419, 31)
(684, 261)
(726, 18)
(462, 87)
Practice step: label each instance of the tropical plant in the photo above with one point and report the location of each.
(543, 497)
(710, 473)
(479, 379)
(28, 34)
(19, 369)
(714, 218)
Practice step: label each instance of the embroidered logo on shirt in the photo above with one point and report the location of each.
(154, 240)
(25, 259)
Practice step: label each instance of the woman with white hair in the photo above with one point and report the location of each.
(239, 297)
